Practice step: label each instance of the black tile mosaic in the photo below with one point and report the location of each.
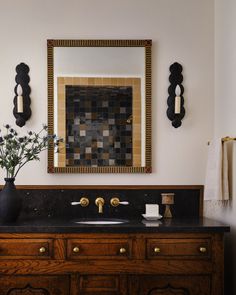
(96, 120)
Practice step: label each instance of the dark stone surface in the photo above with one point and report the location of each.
(55, 203)
(49, 225)
(50, 211)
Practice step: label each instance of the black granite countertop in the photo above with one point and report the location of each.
(50, 225)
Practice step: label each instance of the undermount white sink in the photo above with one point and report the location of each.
(101, 221)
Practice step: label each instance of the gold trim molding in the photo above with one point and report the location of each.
(147, 44)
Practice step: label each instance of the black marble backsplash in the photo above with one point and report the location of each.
(55, 203)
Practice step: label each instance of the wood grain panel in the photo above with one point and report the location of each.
(31, 285)
(172, 285)
(99, 248)
(25, 249)
(59, 249)
(178, 248)
(105, 266)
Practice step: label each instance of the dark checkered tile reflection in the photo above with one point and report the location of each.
(98, 126)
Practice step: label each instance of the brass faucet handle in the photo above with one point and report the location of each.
(116, 202)
(84, 202)
(100, 202)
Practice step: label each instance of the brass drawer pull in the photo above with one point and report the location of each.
(42, 250)
(203, 249)
(157, 250)
(76, 249)
(122, 250)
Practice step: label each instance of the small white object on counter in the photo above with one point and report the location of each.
(150, 218)
(152, 209)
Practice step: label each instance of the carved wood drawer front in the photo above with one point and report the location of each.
(35, 285)
(25, 248)
(99, 248)
(99, 284)
(178, 248)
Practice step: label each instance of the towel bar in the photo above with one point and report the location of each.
(226, 138)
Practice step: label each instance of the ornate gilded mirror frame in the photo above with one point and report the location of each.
(147, 44)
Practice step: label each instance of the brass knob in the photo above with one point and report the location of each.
(115, 202)
(76, 249)
(157, 250)
(42, 249)
(84, 202)
(122, 250)
(203, 249)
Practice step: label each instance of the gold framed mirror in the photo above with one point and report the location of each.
(99, 104)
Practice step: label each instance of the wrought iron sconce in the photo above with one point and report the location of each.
(22, 101)
(175, 101)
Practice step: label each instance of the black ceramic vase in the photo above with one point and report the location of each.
(10, 202)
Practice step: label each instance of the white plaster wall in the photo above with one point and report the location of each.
(181, 30)
(225, 123)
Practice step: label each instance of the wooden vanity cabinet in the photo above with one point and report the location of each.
(111, 264)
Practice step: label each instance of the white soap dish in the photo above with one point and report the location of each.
(149, 217)
(152, 223)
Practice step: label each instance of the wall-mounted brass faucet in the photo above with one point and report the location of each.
(100, 203)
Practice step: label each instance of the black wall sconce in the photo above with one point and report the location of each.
(22, 101)
(175, 101)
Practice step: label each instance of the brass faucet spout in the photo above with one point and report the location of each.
(100, 202)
